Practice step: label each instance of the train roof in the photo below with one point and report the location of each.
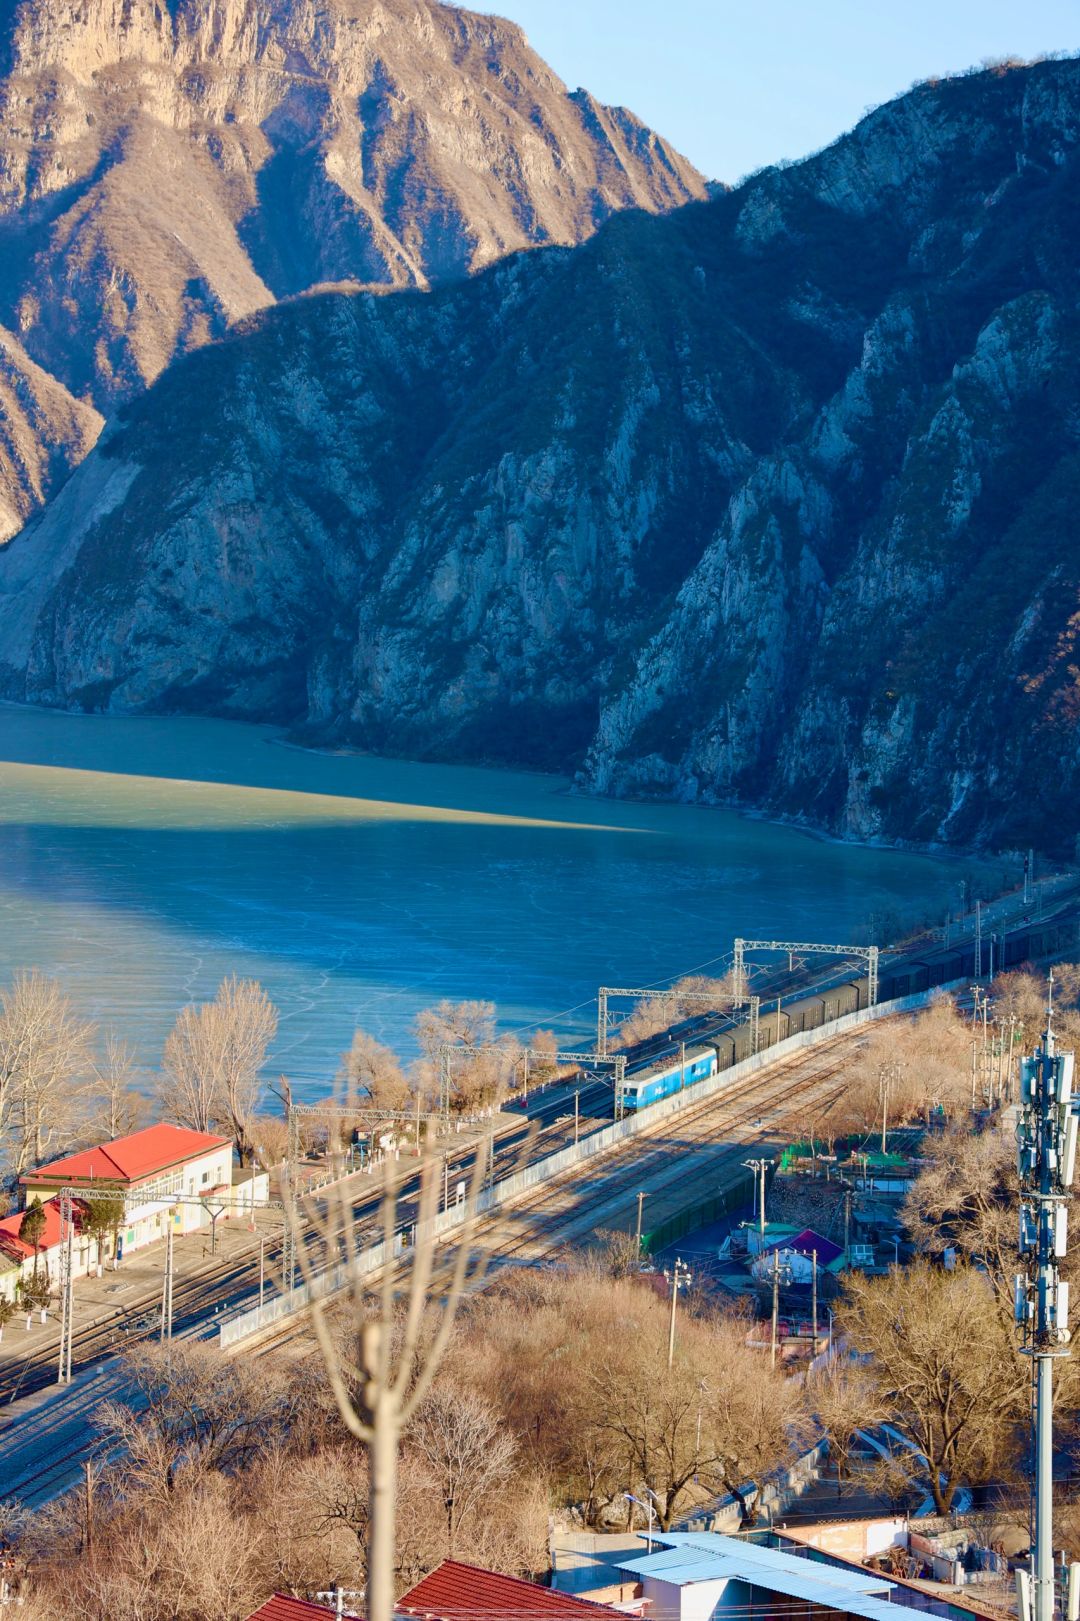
(662, 1065)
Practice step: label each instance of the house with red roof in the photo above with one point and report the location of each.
(459, 1592)
(283, 1608)
(20, 1255)
(169, 1176)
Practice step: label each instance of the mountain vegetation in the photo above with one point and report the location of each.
(168, 169)
(766, 500)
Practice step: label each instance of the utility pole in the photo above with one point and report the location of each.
(776, 1271)
(847, 1230)
(677, 1279)
(1046, 1154)
(577, 1116)
(813, 1258)
(167, 1290)
(978, 939)
(637, 1235)
(262, 1270)
(67, 1285)
(883, 1082)
(89, 1473)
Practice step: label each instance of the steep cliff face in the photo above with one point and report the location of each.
(771, 500)
(166, 169)
(44, 432)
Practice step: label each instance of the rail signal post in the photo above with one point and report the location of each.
(1046, 1156)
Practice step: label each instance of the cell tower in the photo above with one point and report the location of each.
(1046, 1155)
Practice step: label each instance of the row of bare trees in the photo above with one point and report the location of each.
(240, 1478)
(553, 1390)
(63, 1083)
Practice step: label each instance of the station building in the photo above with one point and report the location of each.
(165, 1173)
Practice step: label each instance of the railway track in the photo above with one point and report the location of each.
(532, 1229)
(207, 1295)
(549, 1214)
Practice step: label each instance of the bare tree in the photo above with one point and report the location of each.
(390, 1362)
(693, 994)
(844, 1397)
(618, 1254)
(197, 1413)
(944, 1359)
(247, 1024)
(967, 1197)
(478, 1076)
(118, 1107)
(189, 1084)
(458, 1435)
(213, 1057)
(372, 1074)
(270, 1139)
(46, 1061)
(721, 1413)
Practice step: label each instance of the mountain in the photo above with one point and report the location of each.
(169, 168)
(769, 501)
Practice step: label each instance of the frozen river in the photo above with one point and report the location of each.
(141, 860)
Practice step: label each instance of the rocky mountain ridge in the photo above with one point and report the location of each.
(769, 501)
(169, 169)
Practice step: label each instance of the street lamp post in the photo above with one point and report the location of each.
(758, 1166)
(649, 1509)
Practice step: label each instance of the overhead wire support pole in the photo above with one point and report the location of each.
(1046, 1161)
(71, 1196)
(871, 955)
(167, 1289)
(645, 993)
(613, 1064)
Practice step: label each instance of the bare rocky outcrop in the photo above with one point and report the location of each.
(767, 501)
(166, 170)
(44, 432)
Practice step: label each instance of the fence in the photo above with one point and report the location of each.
(509, 1188)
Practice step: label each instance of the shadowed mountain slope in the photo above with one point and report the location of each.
(770, 500)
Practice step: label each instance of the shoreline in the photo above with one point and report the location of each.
(553, 784)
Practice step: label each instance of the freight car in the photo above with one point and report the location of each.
(720, 1044)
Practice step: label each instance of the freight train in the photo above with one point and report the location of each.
(713, 1043)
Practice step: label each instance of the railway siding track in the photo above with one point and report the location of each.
(712, 1135)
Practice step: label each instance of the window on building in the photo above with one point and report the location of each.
(206, 1176)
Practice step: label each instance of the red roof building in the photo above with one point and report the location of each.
(128, 1161)
(457, 1592)
(283, 1608)
(17, 1248)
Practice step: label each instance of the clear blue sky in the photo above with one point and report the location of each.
(736, 84)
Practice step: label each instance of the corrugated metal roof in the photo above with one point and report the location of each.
(715, 1542)
(710, 1557)
(458, 1592)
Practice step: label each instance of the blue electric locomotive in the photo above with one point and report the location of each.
(661, 1079)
